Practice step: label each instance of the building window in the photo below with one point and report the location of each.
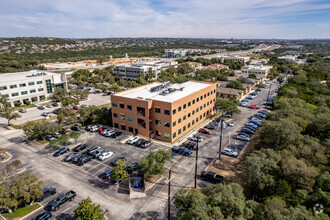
(201, 97)
(158, 122)
(211, 92)
(158, 133)
(157, 110)
(42, 97)
(204, 105)
(129, 107)
(179, 131)
(114, 104)
(208, 103)
(179, 109)
(196, 119)
(188, 125)
(122, 117)
(13, 86)
(193, 112)
(167, 135)
(40, 89)
(23, 92)
(208, 94)
(174, 123)
(31, 83)
(197, 109)
(174, 111)
(123, 127)
(115, 115)
(116, 125)
(214, 91)
(130, 129)
(6, 95)
(194, 101)
(174, 134)
(22, 85)
(189, 115)
(197, 99)
(184, 117)
(49, 86)
(121, 105)
(200, 117)
(211, 102)
(3, 88)
(167, 112)
(39, 82)
(184, 128)
(189, 104)
(193, 122)
(167, 124)
(179, 121)
(130, 118)
(200, 108)
(204, 114)
(184, 106)
(204, 95)
(32, 91)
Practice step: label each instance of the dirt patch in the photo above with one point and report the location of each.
(4, 157)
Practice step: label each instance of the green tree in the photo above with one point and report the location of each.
(9, 114)
(154, 163)
(87, 210)
(75, 135)
(227, 105)
(120, 172)
(280, 79)
(66, 116)
(115, 88)
(36, 130)
(235, 85)
(63, 139)
(59, 94)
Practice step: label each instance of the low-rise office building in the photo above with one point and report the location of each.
(132, 71)
(243, 60)
(32, 86)
(163, 111)
(257, 69)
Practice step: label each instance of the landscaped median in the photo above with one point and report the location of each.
(21, 212)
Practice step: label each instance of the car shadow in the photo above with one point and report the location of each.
(144, 215)
(99, 184)
(64, 216)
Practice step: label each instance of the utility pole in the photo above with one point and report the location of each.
(220, 145)
(169, 195)
(196, 165)
(269, 91)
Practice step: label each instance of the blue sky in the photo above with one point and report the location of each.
(166, 18)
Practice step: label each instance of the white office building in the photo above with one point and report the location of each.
(243, 60)
(258, 69)
(131, 71)
(32, 86)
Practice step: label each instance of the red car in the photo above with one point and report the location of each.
(76, 107)
(204, 131)
(253, 106)
(101, 129)
(257, 107)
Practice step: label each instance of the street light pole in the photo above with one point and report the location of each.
(169, 195)
(196, 165)
(220, 144)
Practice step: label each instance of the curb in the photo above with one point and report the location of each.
(41, 206)
(10, 156)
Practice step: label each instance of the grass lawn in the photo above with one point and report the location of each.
(24, 106)
(20, 126)
(20, 212)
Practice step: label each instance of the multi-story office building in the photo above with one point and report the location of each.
(243, 60)
(258, 69)
(163, 111)
(30, 86)
(131, 71)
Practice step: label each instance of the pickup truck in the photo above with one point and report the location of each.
(211, 177)
(60, 200)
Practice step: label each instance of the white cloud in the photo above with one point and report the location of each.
(171, 18)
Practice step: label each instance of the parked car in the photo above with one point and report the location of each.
(109, 133)
(49, 137)
(95, 154)
(49, 106)
(84, 159)
(61, 151)
(76, 159)
(41, 107)
(254, 122)
(76, 128)
(106, 174)
(116, 134)
(92, 149)
(139, 142)
(196, 138)
(60, 200)
(242, 138)
(22, 110)
(80, 147)
(247, 130)
(56, 111)
(204, 131)
(84, 106)
(69, 157)
(181, 150)
(253, 106)
(132, 140)
(56, 135)
(146, 144)
(115, 162)
(65, 131)
(76, 107)
(212, 126)
(212, 177)
(131, 167)
(232, 123)
(43, 216)
(190, 145)
(229, 152)
(88, 127)
(46, 193)
(45, 114)
(250, 127)
(105, 155)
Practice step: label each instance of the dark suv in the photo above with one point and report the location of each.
(80, 147)
(47, 192)
(84, 159)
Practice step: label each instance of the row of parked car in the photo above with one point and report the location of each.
(104, 131)
(139, 142)
(251, 96)
(250, 128)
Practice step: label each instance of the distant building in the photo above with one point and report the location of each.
(30, 86)
(216, 66)
(259, 69)
(172, 53)
(163, 111)
(132, 71)
(292, 58)
(194, 65)
(243, 60)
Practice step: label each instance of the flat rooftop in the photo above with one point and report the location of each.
(179, 91)
(28, 75)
